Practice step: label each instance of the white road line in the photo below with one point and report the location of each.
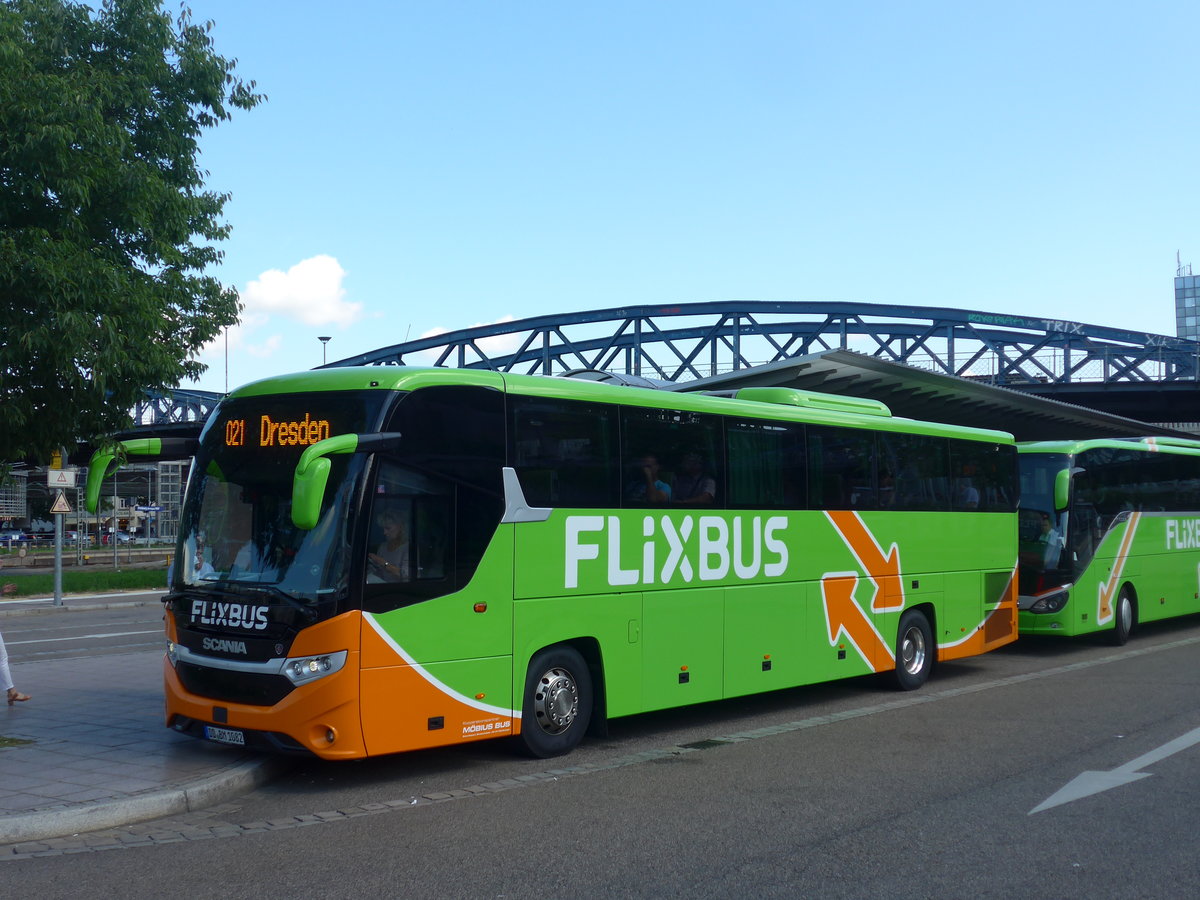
(85, 637)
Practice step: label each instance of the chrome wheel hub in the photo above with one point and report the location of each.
(912, 651)
(556, 700)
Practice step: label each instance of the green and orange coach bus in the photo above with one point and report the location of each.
(380, 559)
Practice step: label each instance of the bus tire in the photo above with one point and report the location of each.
(914, 650)
(558, 702)
(1124, 618)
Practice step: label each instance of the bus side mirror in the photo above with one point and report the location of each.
(1062, 487)
(97, 469)
(163, 448)
(312, 471)
(308, 490)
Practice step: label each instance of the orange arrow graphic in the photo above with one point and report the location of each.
(883, 570)
(843, 614)
(1108, 588)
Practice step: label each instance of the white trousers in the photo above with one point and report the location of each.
(6, 682)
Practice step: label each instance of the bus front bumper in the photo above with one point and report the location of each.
(320, 717)
(1044, 613)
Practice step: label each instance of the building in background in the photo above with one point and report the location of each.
(142, 499)
(1186, 324)
(13, 507)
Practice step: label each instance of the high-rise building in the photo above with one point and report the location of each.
(1187, 289)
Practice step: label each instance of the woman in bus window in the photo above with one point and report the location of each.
(390, 561)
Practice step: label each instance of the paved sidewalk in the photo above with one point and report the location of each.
(99, 755)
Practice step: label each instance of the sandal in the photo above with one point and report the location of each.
(15, 696)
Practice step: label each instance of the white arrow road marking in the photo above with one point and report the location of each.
(1089, 783)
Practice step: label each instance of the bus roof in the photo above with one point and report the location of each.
(1147, 444)
(776, 403)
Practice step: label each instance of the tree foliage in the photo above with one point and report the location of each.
(106, 226)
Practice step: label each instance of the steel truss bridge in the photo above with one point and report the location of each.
(697, 340)
(175, 408)
(1073, 361)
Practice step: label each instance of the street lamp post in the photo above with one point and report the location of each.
(324, 339)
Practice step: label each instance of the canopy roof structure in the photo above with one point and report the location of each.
(920, 394)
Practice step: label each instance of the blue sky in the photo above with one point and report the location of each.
(423, 166)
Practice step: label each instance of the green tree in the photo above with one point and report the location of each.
(106, 226)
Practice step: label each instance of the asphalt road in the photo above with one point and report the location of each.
(843, 790)
(85, 633)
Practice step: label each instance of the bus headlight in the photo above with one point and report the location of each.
(173, 653)
(303, 669)
(1051, 603)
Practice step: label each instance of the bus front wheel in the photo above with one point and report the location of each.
(558, 702)
(914, 650)
(1125, 618)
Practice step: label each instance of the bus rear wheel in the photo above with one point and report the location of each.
(914, 651)
(1125, 618)
(558, 702)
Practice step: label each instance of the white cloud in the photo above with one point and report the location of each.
(241, 338)
(266, 348)
(310, 292)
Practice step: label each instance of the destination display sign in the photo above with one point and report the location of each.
(281, 427)
(266, 431)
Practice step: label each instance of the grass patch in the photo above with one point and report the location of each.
(86, 582)
(12, 742)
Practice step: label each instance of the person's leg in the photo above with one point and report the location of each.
(6, 682)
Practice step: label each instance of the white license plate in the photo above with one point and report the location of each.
(225, 735)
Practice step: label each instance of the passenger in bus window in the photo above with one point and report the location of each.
(693, 486)
(390, 561)
(1052, 541)
(887, 490)
(202, 569)
(968, 495)
(644, 485)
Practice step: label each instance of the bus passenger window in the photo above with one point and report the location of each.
(985, 476)
(663, 450)
(564, 451)
(408, 543)
(914, 471)
(842, 468)
(766, 465)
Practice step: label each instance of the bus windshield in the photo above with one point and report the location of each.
(236, 526)
(1042, 528)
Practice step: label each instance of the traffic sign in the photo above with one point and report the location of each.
(148, 508)
(60, 504)
(60, 478)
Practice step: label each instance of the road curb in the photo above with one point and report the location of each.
(55, 610)
(78, 603)
(190, 797)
